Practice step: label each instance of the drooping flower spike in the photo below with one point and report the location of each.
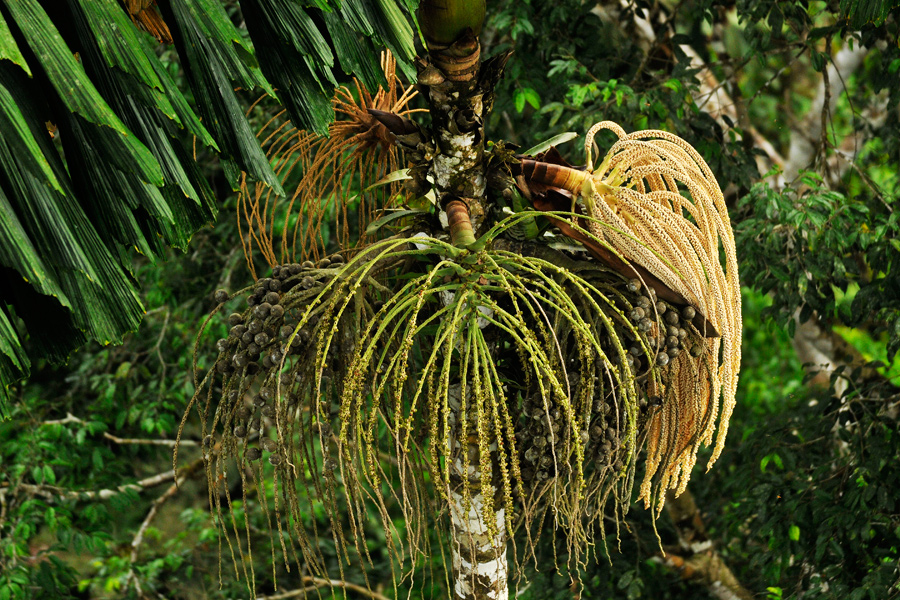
(655, 203)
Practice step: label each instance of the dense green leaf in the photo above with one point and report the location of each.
(19, 133)
(104, 23)
(215, 58)
(87, 290)
(18, 253)
(127, 208)
(296, 58)
(14, 362)
(389, 25)
(117, 40)
(355, 52)
(867, 12)
(395, 28)
(9, 50)
(74, 88)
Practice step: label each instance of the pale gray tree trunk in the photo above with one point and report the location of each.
(480, 567)
(459, 94)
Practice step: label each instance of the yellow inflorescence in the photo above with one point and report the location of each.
(661, 207)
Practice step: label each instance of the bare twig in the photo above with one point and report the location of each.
(158, 351)
(52, 492)
(709, 568)
(149, 442)
(70, 418)
(711, 97)
(292, 594)
(318, 582)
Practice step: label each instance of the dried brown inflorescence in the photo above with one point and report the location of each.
(330, 176)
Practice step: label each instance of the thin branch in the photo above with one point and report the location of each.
(149, 442)
(712, 98)
(318, 582)
(292, 594)
(701, 561)
(52, 492)
(810, 131)
(3, 508)
(154, 509)
(70, 418)
(157, 349)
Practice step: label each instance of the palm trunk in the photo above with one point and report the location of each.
(459, 102)
(479, 566)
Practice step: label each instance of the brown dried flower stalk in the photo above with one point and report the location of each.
(330, 175)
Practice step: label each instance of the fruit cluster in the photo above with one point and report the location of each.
(258, 337)
(254, 355)
(653, 333)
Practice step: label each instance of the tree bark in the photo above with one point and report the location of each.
(450, 78)
(815, 343)
(480, 567)
(459, 97)
(807, 137)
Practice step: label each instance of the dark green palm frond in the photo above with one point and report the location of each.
(95, 159)
(216, 60)
(294, 56)
(135, 91)
(299, 61)
(59, 274)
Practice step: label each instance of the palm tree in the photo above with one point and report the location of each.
(479, 363)
(485, 373)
